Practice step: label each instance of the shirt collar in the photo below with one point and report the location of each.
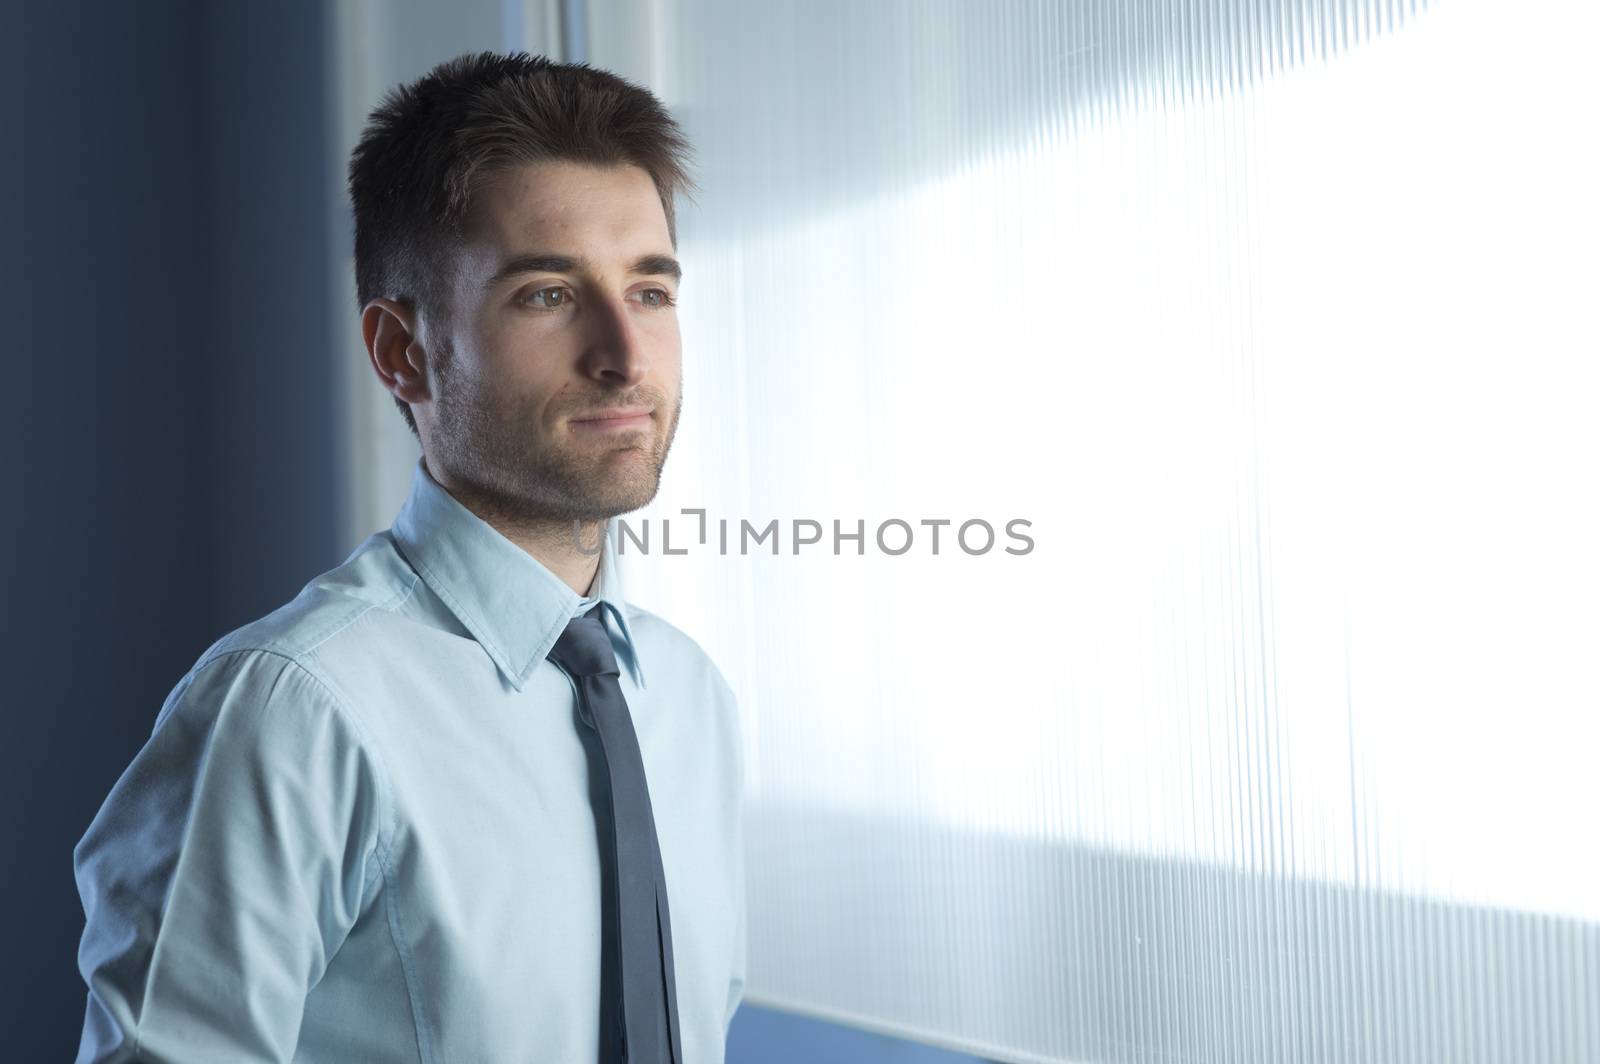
(513, 605)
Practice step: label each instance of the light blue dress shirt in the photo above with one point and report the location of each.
(361, 828)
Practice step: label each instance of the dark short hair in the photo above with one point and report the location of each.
(431, 141)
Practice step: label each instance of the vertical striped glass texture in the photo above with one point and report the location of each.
(1275, 320)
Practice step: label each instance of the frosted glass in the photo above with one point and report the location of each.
(1276, 322)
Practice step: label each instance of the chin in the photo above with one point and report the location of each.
(615, 503)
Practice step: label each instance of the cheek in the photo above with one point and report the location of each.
(669, 348)
(505, 344)
(524, 359)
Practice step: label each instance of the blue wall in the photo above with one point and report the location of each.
(169, 423)
(766, 1036)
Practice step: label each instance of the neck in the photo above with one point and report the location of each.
(555, 546)
(558, 545)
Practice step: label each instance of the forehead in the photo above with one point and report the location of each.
(570, 208)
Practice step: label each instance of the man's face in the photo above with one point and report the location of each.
(562, 311)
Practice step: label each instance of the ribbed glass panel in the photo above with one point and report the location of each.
(1276, 321)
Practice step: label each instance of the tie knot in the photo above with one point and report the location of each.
(584, 648)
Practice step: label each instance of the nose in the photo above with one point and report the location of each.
(614, 351)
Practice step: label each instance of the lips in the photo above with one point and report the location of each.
(616, 420)
(616, 414)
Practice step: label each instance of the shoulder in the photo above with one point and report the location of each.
(662, 641)
(278, 658)
(261, 710)
(677, 668)
(373, 580)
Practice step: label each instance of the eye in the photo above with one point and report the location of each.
(548, 302)
(661, 298)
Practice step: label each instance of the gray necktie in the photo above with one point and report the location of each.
(638, 1002)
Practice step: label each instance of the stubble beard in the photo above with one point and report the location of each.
(537, 485)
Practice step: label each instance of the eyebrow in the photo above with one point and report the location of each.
(644, 265)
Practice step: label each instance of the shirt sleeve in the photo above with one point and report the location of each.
(226, 866)
(740, 949)
(740, 958)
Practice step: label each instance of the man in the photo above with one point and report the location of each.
(431, 809)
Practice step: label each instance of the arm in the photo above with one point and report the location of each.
(225, 867)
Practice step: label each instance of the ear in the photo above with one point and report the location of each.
(389, 329)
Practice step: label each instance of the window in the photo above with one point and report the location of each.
(1274, 321)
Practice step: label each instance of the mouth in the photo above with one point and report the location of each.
(619, 419)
